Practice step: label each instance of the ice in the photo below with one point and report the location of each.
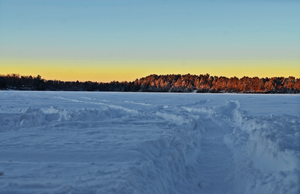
(97, 142)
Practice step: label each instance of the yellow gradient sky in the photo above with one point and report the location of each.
(105, 71)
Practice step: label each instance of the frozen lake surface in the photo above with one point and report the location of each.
(95, 142)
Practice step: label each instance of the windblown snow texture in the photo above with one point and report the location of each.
(77, 142)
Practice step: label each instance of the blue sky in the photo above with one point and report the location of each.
(117, 30)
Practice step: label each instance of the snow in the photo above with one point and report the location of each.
(96, 142)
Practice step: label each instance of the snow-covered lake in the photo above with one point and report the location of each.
(94, 142)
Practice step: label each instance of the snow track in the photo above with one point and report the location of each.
(60, 142)
(216, 163)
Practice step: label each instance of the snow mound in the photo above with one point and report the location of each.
(268, 149)
(37, 117)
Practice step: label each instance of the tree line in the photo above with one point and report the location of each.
(160, 83)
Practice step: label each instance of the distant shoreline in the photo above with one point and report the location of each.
(160, 83)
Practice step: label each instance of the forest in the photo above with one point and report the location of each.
(203, 83)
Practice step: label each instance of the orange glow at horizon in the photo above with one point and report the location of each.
(106, 71)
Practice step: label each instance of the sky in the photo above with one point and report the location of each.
(123, 40)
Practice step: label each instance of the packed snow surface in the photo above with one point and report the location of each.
(95, 142)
